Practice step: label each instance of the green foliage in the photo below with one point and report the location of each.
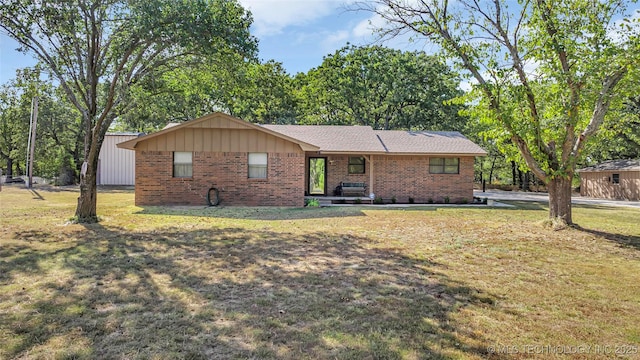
(257, 92)
(378, 200)
(380, 87)
(57, 144)
(266, 95)
(99, 50)
(312, 202)
(620, 134)
(446, 199)
(546, 73)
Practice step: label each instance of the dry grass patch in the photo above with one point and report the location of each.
(346, 283)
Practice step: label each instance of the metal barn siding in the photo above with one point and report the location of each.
(116, 166)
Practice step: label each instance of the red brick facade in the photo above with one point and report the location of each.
(404, 177)
(227, 171)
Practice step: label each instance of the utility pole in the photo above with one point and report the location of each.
(31, 146)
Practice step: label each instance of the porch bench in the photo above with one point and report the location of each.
(357, 188)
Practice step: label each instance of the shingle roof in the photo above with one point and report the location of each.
(334, 138)
(430, 142)
(363, 139)
(344, 139)
(614, 165)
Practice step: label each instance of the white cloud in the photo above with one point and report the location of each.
(270, 17)
(366, 27)
(335, 40)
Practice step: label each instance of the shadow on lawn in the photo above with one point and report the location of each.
(229, 293)
(253, 213)
(629, 241)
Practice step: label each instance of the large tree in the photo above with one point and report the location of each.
(257, 92)
(15, 114)
(98, 49)
(59, 136)
(381, 87)
(264, 94)
(545, 70)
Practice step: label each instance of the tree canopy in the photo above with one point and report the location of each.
(380, 87)
(545, 72)
(98, 49)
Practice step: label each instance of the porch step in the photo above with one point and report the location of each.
(324, 202)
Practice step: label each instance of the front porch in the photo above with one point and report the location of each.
(329, 200)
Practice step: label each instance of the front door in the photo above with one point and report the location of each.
(317, 176)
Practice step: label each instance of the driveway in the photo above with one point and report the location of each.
(544, 197)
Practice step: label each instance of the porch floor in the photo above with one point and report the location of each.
(329, 199)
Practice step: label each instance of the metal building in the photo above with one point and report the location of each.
(116, 166)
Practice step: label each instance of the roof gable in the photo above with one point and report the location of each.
(215, 120)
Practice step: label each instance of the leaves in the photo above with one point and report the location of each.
(99, 49)
(380, 87)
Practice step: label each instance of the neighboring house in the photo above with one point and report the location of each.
(615, 179)
(279, 164)
(116, 166)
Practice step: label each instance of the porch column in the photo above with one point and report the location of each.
(370, 159)
(371, 174)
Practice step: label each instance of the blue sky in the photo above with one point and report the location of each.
(293, 32)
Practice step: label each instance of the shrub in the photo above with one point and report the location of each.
(446, 200)
(378, 200)
(464, 201)
(312, 202)
(411, 200)
(430, 201)
(393, 199)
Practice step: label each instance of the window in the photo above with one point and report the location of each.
(257, 165)
(444, 165)
(615, 179)
(356, 165)
(182, 164)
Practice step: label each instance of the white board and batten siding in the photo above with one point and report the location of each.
(116, 166)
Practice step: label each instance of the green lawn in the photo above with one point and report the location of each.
(331, 283)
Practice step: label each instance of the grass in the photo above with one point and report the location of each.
(323, 283)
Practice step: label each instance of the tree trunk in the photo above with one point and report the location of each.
(493, 165)
(519, 179)
(514, 181)
(525, 182)
(86, 210)
(9, 168)
(560, 199)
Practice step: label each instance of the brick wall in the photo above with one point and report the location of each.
(404, 177)
(155, 184)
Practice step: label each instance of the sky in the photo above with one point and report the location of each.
(297, 33)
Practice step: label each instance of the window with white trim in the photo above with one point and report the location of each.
(182, 164)
(444, 165)
(258, 165)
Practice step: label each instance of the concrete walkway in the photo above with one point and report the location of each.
(544, 197)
